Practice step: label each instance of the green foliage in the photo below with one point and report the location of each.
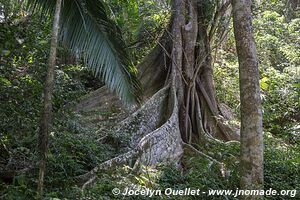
(71, 155)
(207, 9)
(197, 173)
(66, 87)
(227, 90)
(278, 50)
(25, 43)
(277, 42)
(75, 147)
(17, 192)
(21, 72)
(10, 10)
(88, 31)
(209, 174)
(280, 102)
(141, 22)
(282, 165)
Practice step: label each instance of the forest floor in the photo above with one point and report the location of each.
(85, 136)
(219, 172)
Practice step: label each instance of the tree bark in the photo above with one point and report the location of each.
(290, 8)
(47, 104)
(251, 114)
(180, 104)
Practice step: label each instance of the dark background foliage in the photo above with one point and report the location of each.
(75, 149)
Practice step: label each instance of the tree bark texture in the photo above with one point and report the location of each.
(251, 113)
(47, 104)
(180, 105)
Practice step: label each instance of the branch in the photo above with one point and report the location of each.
(215, 23)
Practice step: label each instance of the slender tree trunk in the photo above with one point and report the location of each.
(47, 107)
(290, 8)
(251, 114)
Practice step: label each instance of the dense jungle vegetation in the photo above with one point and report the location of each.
(83, 137)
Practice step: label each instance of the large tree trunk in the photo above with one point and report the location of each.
(47, 106)
(180, 104)
(191, 60)
(251, 114)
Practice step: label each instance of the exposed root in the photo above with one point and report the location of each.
(186, 109)
(202, 154)
(229, 132)
(154, 139)
(212, 160)
(89, 178)
(146, 119)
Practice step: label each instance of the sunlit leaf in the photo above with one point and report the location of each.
(87, 30)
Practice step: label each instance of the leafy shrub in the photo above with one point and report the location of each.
(282, 165)
(280, 102)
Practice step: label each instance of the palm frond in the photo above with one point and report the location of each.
(86, 28)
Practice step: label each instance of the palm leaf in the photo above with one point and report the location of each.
(87, 29)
